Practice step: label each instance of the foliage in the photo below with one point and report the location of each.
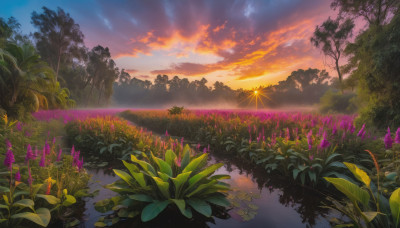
(278, 142)
(366, 205)
(331, 37)
(175, 110)
(181, 182)
(335, 102)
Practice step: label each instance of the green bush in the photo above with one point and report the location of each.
(175, 110)
(335, 102)
(182, 183)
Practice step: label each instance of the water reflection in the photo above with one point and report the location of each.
(281, 203)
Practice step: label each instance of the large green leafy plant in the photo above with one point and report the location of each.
(151, 185)
(366, 206)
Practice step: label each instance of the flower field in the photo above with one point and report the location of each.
(45, 179)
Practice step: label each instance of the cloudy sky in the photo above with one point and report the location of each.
(243, 43)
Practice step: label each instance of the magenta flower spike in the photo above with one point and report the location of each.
(29, 153)
(388, 140)
(17, 176)
(73, 151)
(9, 159)
(47, 148)
(397, 137)
(59, 155)
(42, 162)
(309, 140)
(324, 142)
(362, 131)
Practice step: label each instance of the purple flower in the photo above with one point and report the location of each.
(47, 148)
(204, 150)
(8, 144)
(17, 176)
(334, 130)
(311, 157)
(309, 140)
(397, 137)
(324, 142)
(73, 151)
(9, 160)
(19, 126)
(166, 133)
(42, 162)
(29, 153)
(59, 155)
(388, 140)
(54, 141)
(362, 131)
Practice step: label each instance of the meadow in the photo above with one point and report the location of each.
(331, 170)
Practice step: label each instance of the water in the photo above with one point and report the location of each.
(262, 200)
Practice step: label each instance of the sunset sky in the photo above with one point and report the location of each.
(241, 43)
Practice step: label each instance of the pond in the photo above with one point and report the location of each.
(258, 201)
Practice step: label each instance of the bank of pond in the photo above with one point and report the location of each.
(106, 168)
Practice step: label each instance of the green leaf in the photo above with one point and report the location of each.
(369, 215)
(360, 174)
(141, 197)
(179, 181)
(352, 191)
(295, 173)
(146, 166)
(4, 189)
(131, 167)
(181, 205)
(200, 206)
(125, 176)
(139, 177)
(170, 157)
(195, 163)
(100, 224)
(201, 188)
(394, 202)
(163, 186)
(186, 156)
(219, 200)
(69, 200)
(41, 217)
(153, 210)
(49, 198)
(25, 203)
(205, 173)
(164, 166)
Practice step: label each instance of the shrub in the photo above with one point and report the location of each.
(335, 102)
(182, 183)
(175, 110)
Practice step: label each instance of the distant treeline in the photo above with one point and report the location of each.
(302, 87)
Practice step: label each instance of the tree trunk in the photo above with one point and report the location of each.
(340, 75)
(58, 63)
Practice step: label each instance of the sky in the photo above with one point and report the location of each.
(243, 43)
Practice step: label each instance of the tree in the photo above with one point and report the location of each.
(59, 38)
(331, 37)
(375, 12)
(374, 63)
(27, 81)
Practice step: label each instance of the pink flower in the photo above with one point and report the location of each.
(324, 142)
(42, 162)
(47, 148)
(309, 140)
(59, 155)
(29, 153)
(397, 137)
(388, 140)
(9, 159)
(17, 176)
(311, 157)
(362, 131)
